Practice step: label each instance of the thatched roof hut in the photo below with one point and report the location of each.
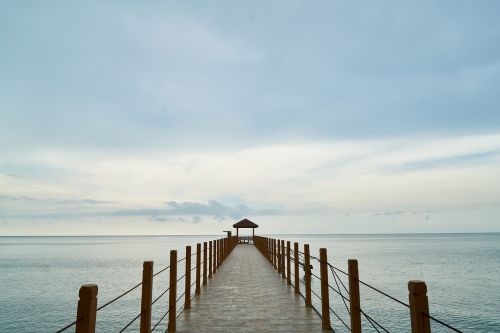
(245, 224)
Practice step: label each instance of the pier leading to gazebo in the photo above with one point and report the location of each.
(245, 224)
(255, 293)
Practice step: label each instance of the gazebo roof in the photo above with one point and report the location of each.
(245, 223)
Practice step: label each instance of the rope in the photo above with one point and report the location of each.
(177, 300)
(181, 259)
(118, 297)
(337, 269)
(130, 323)
(159, 321)
(342, 283)
(440, 322)
(371, 321)
(161, 271)
(343, 300)
(386, 295)
(336, 315)
(69, 325)
(163, 293)
(181, 278)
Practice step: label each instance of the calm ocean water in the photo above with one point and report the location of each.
(40, 277)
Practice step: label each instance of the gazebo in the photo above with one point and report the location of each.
(245, 224)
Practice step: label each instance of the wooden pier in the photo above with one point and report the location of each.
(247, 296)
(237, 284)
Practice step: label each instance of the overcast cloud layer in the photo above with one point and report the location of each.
(127, 117)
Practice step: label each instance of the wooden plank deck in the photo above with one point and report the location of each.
(248, 295)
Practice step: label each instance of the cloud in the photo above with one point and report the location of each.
(58, 201)
(50, 208)
(236, 76)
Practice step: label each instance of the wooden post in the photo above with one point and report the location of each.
(275, 262)
(87, 307)
(325, 294)
(215, 256)
(296, 283)
(218, 253)
(278, 258)
(354, 296)
(197, 290)
(210, 259)
(283, 272)
(147, 296)
(307, 269)
(269, 256)
(223, 249)
(204, 263)
(288, 268)
(187, 279)
(419, 305)
(172, 297)
(271, 252)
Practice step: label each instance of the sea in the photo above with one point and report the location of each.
(40, 278)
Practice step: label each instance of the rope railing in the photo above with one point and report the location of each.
(331, 310)
(282, 257)
(69, 325)
(159, 321)
(160, 296)
(131, 322)
(88, 307)
(118, 297)
(161, 271)
(373, 322)
(441, 322)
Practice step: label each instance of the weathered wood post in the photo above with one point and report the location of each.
(419, 305)
(147, 296)
(172, 296)
(218, 253)
(283, 271)
(210, 259)
(215, 256)
(187, 279)
(271, 249)
(269, 252)
(275, 254)
(307, 269)
(87, 307)
(325, 294)
(204, 263)
(278, 258)
(296, 283)
(288, 268)
(197, 289)
(354, 296)
(223, 249)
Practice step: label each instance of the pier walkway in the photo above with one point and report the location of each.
(247, 295)
(244, 284)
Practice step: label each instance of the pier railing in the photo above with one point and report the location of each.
(207, 261)
(288, 262)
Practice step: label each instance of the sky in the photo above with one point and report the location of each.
(164, 117)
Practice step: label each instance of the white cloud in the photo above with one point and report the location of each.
(316, 179)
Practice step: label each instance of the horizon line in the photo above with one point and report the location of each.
(271, 234)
